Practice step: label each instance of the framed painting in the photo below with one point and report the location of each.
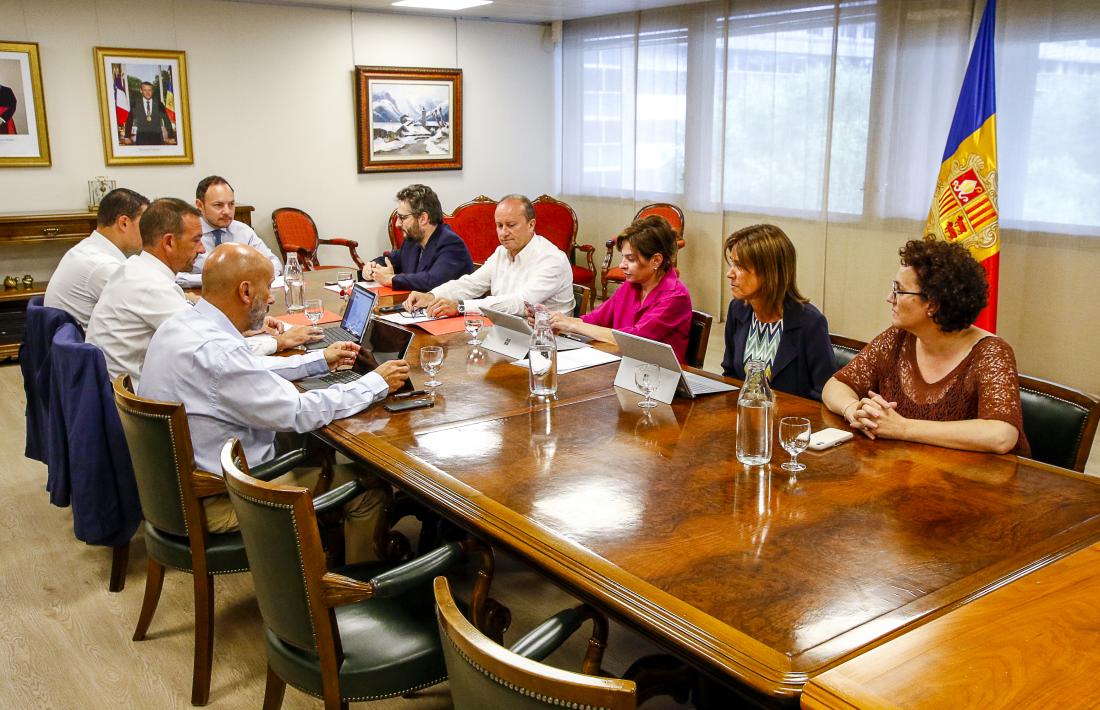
(408, 118)
(24, 140)
(143, 106)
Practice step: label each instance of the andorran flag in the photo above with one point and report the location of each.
(964, 206)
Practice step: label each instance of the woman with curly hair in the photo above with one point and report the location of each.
(933, 377)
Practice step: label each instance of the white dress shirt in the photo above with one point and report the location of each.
(140, 296)
(199, 358)
(540, 273)
(81, 275)
(236, 232)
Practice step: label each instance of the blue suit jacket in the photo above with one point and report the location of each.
(444, 259)
(89, 459)
(34, 362)
(805, 359)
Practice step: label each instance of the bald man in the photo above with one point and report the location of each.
(199, 357)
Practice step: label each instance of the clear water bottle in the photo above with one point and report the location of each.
(542, 357)
(295, 285)
(755, 417)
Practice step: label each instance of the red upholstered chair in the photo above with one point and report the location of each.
(557, 221)
(297, 233)
(672, 214)
(393, 228)
(475, 224)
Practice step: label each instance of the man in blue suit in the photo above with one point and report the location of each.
(432, 254)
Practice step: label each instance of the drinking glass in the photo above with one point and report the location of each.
(647, 377)
(431, 359)
(314, 310)
(473, 327)
(794, 437)
(345, 280)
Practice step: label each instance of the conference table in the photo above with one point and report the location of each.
(757, 578)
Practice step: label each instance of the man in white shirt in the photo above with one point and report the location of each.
(79, 278)
(216, 200)
(525, 267)
(229, 392)
(143, 293)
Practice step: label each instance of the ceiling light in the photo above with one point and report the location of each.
(442, 4)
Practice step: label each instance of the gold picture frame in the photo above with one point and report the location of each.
(22, 106)
(143, 126)
(408, 118)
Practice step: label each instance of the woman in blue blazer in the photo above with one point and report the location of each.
(769, 319)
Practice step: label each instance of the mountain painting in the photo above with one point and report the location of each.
(410, 120)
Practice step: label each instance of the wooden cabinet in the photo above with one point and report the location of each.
(35, 228)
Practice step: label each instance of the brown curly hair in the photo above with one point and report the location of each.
(949, 277)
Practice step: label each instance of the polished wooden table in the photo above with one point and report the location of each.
(1030, 644)
(757, 578)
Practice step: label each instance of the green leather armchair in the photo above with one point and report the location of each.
(845, 348)
(1060, 422)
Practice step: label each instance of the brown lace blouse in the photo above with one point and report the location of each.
(985, 385)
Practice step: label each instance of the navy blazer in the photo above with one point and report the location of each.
(34, 361)
(805, 359)
(89, 460)
(444, 259)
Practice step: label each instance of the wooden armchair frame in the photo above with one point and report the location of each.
(609, 273)
(308, 255)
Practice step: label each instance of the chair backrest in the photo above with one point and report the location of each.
(296, 233)
(474, 222)
(279, 528)
(672, 214)
(394, 231)
(159, 440)
(556, 221)
(483, 674)
(41, 325)
(698, 338)
(845, 348)
(582, 300)
(1059, 422)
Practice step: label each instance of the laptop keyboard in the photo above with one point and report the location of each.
(334, 335)
(335, 378)
(704, 385)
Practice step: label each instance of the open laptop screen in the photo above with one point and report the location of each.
(357, 313)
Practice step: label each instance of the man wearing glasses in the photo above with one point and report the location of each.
(432, 254)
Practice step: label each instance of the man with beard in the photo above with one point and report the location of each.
(431, 254)
(228, 391)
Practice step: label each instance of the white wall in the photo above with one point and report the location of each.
(272, 109)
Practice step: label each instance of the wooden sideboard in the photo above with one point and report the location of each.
(35, 228)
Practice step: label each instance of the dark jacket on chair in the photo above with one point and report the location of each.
(444, 259)
(34, 361)
(804, 361)
(89, 461)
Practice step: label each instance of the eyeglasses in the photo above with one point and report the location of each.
(895, 291)
(403, 217)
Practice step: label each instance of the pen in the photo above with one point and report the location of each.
(406, 395)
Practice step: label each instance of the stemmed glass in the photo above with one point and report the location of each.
(431, 359)
(345, 280)
(794, 437)
(314, 310)
(472, 322)
(647, 377)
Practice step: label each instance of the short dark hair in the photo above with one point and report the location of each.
(422, 198)
(120, 202)
(649, 236)
(949, 277)
(147, 83)
(767, 251)
(164, 216)
(528, 208)
(206, 182)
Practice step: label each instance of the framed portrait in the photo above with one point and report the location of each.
(24, 140)
(143, 106)
(408, 118)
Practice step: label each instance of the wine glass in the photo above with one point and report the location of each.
(794, 437)
(345, 280)
(431, 359)
(314, 310)
(647, 377)
(472, 322)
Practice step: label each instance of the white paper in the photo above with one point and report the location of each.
(336, 287)
(574, 360)
(279, 282)
(403, 318)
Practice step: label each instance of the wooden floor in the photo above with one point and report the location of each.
(65, 640)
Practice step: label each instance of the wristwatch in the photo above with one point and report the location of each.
(461, 308)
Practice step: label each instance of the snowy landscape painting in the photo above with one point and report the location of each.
(409, 119)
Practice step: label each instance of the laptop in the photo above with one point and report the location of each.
(674, 381)
(383, 341)
(511, 335)
(353, 324)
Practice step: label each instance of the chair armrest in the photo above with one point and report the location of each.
(336, 497)
(350, 244)
(278, 465)
(588, 250)
(545, 638)
(206, 484)
(610, 255)
(419, 571)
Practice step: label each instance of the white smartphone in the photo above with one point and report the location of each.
(828, 438)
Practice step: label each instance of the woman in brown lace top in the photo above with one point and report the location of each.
(933, 377)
